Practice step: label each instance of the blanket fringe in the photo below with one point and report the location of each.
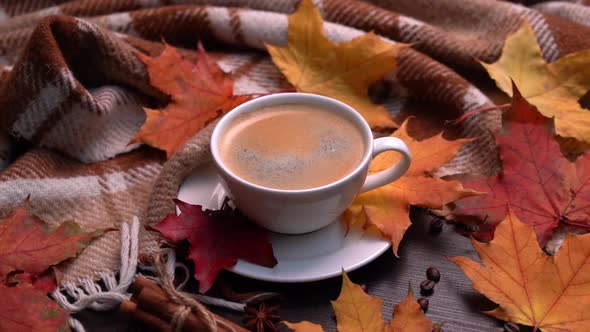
(169, 256)
(88, 294)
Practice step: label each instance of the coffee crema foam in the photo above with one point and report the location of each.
(292, 146)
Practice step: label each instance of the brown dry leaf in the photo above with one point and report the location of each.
(554, 88)
(388, 207)
(548, 293)
(344, 71)
(198, 92)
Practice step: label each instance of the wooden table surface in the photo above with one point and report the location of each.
(453, 303)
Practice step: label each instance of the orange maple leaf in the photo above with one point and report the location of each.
(548, 293)
(358, 311)
(314, 64)
(409, 317)
(388, 207)
(304, 326)
(199, 93)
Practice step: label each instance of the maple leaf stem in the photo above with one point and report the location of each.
(469, 114)
(575, 224)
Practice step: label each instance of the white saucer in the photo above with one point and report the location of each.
(309, 257)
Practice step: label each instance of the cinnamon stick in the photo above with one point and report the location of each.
(152, 299)
(141, 282)
(149, 321)
(158, 304)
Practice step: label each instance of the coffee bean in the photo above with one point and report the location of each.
(465, 229)
(432, 273)
(423, 303)
(511, 327)
(427, 287)
(379, 91)
(436, 225)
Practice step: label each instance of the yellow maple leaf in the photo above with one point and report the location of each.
(357, 311)
(554, 88)
(409, 317)
(549, 293)
(344, 71)
(388, 207)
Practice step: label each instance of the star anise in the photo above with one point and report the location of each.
(261, 318)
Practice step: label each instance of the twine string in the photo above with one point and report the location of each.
(186, 304)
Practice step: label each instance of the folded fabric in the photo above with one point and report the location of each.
(72, 91)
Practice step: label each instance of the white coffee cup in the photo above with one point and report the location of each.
(306, 210)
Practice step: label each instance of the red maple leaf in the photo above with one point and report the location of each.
(46, 283)
(541, 186)
(217, 240)
(29, 249)
(28, 244)
(26, 309)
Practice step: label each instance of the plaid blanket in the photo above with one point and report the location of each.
(72, 90)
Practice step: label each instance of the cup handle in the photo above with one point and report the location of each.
(394, 172)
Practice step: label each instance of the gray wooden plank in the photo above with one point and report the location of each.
(453, 303)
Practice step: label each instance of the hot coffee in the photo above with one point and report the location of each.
(292, 146)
